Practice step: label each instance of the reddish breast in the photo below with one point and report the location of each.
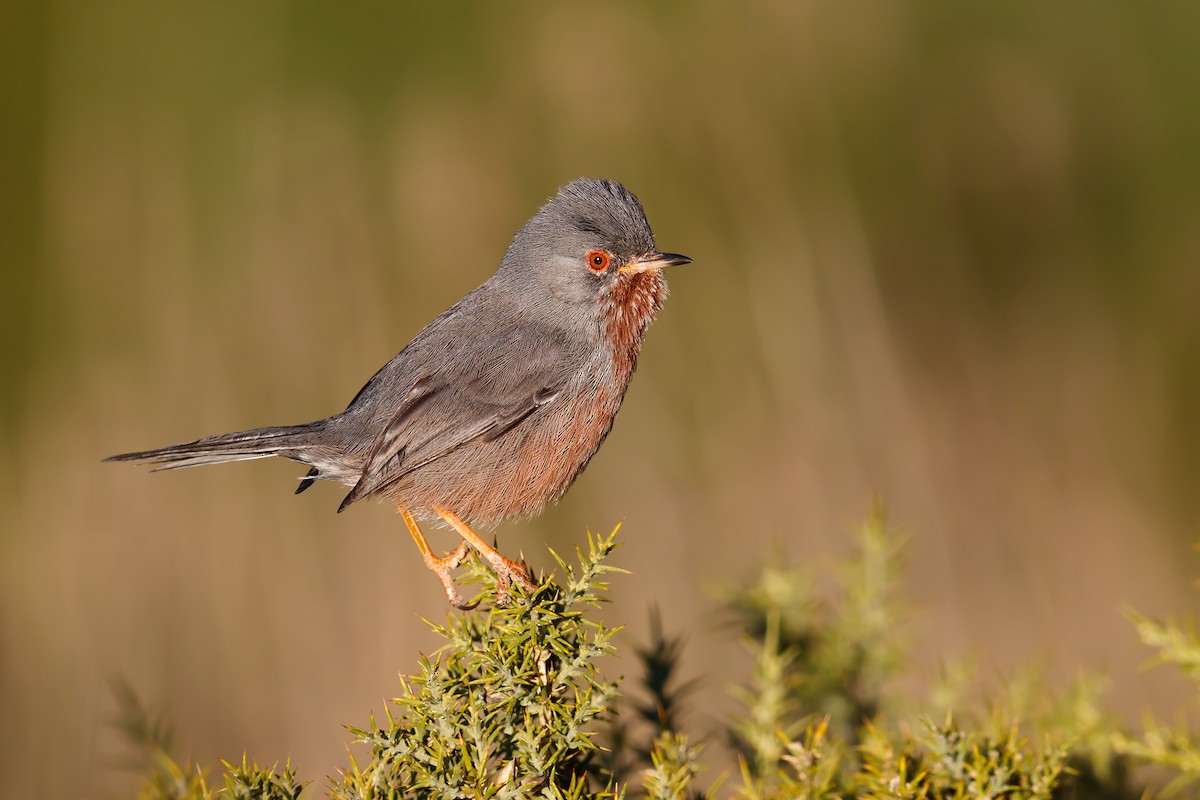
(583, 424)
(628, 309)
(530, 467)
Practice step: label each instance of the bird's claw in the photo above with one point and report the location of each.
(441, 567)
(506, 573)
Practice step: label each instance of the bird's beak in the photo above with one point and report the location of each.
(654, 261)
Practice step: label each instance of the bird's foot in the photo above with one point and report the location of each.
(506, 573)
(442, 567)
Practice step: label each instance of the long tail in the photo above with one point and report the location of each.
(288, 442)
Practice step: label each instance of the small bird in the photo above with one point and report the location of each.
(496, 406)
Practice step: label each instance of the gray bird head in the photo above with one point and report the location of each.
(590, 239)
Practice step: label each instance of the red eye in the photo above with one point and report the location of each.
(598, 260)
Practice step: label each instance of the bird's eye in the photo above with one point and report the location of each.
(598, 260)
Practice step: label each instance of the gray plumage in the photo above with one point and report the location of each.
(496, 405)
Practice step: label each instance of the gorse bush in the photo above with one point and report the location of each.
(515, 704)
(507, 708)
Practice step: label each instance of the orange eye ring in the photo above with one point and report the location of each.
(598, 260)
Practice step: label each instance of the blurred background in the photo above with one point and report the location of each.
(945, 254)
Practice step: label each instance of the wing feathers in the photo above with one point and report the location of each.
(407, 443)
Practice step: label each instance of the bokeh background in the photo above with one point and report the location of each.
(946, 254)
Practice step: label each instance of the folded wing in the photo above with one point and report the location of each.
(462, 403)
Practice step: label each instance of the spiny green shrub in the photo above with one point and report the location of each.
(507, 708)
(514, 705)
(1171, 747)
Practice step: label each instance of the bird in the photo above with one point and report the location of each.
(495, 407)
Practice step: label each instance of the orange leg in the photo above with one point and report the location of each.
(441, 567)
(506, 571)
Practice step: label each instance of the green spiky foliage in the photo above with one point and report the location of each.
(823, 718)
(828, 657)
(507, 708)
(514, 705)
(647, 735)
(169, 780)
(674, 765)
(1173, 747)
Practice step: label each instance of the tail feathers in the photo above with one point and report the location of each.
(308, 480)
(226, 447)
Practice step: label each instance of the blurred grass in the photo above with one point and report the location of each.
(944, 253)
